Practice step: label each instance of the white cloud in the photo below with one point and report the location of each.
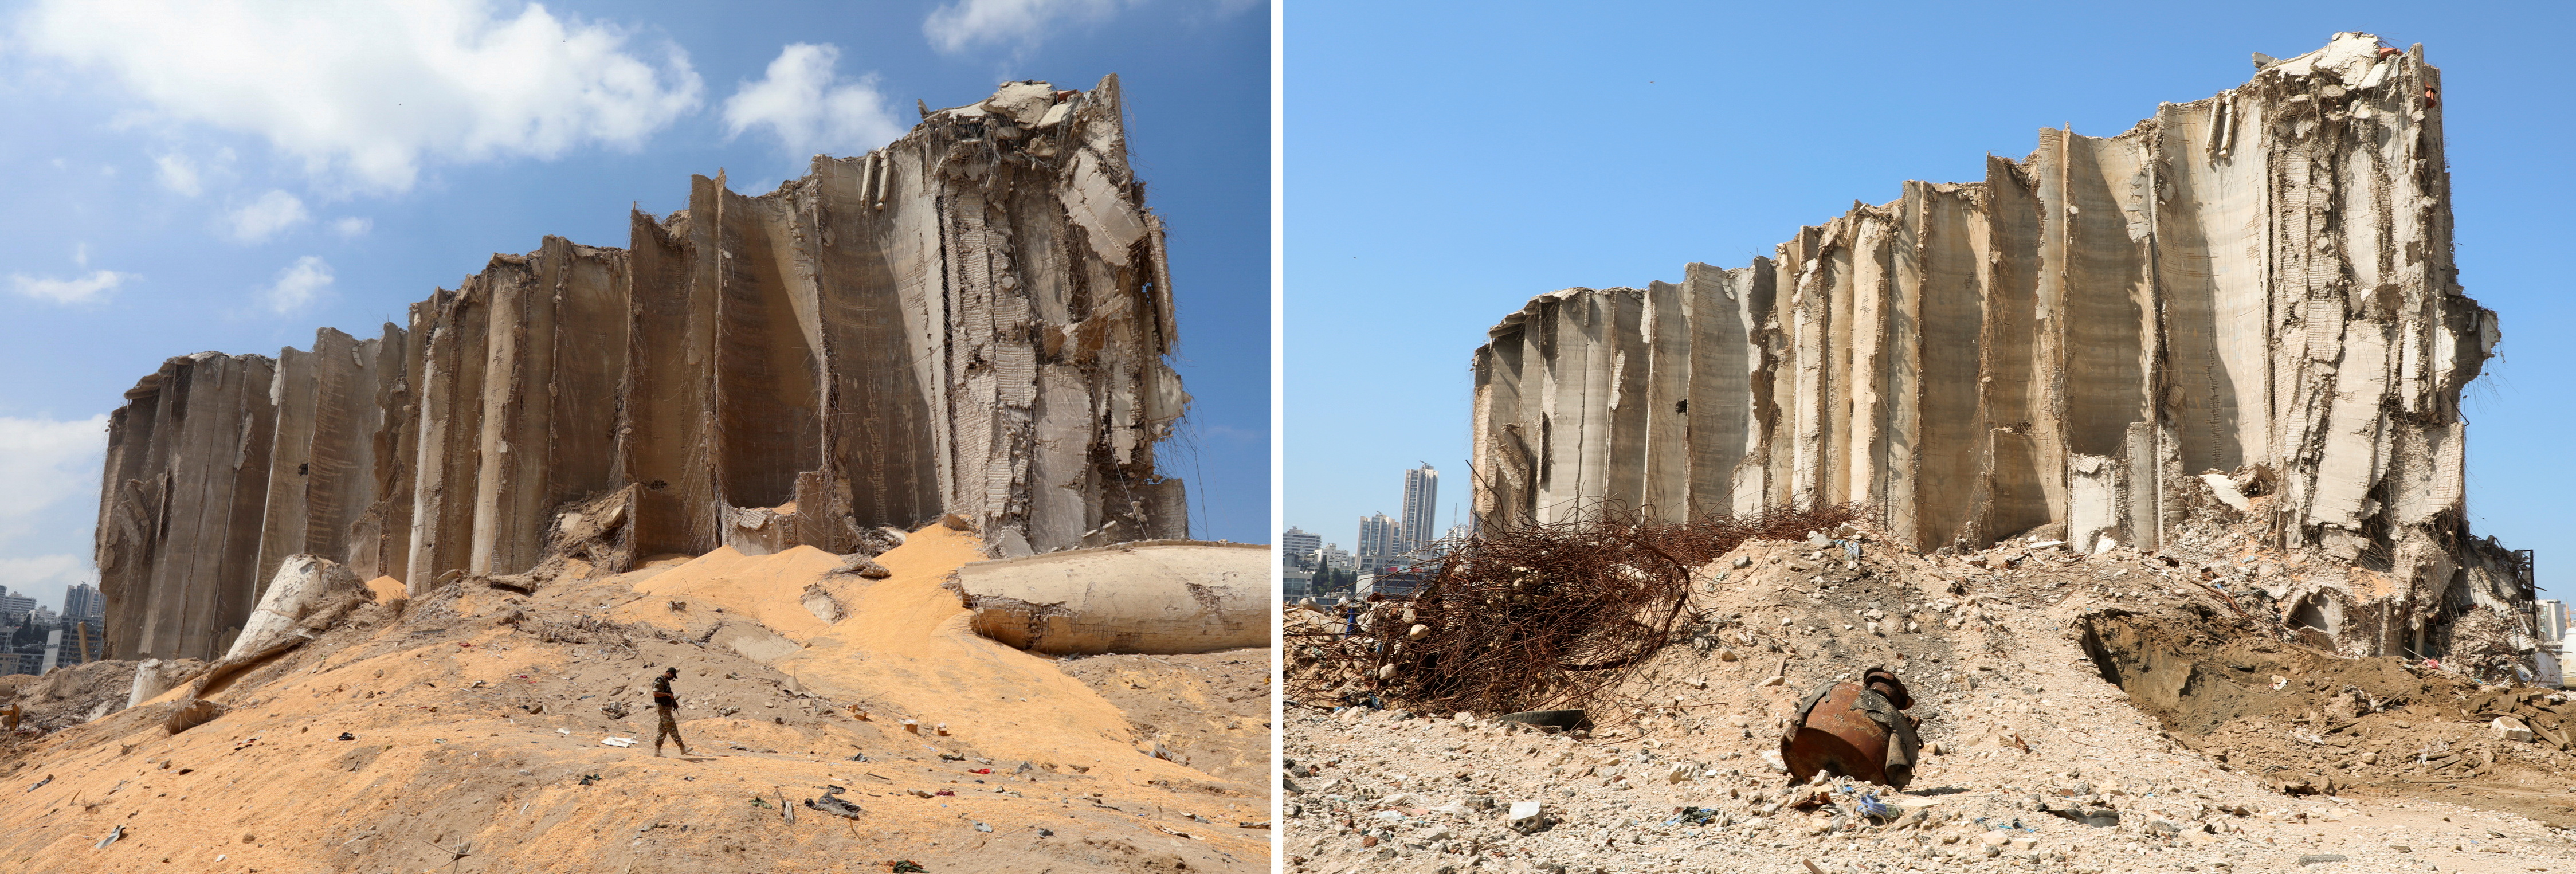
(352, 227)
(80, 254)
(365, 94)
(179, 174)
(44, 465)
(80, 290)
(806, 104)
(44, 577)
(263, 218)
(298, 285)
(964, 23)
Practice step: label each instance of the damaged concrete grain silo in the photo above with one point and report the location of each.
(2258, 284)
(973, 319)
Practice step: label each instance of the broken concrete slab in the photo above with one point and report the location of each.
(306, 587)
(1151, 597)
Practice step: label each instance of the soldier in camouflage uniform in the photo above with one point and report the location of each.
(666, 704)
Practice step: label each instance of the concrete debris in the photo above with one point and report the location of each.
(1152, 597)
(152, 677)
(194, 713)
(972, 322)
(2509, 728)
(2258, 282)
(2224, 489)
(860, 564)
(306, 588)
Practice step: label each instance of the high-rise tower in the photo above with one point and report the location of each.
(1421, 500)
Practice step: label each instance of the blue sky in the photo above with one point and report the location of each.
(1444, 166)
(220, 176)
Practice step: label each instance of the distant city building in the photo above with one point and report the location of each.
(1299, 544)
(1459, 532)
(1295, 583)
(44, 617)
(1381, 540)
(1334, 557)
(15, 607)
(82, 602)
(1421, 502)
(2553, 620)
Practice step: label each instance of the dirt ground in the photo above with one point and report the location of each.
(476, 720)
(1211, 710)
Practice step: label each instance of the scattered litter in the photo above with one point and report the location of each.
(831, 803)
(982, 827)
(618, 742)
(346, 736)
(587, 779)
(40, 784)
(112, 835)
(908, 866)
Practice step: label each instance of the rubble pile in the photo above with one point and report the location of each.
(519, 723)
(68, 695)
(2113, 711)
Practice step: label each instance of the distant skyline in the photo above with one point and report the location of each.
(1700, 133)
(230, 177)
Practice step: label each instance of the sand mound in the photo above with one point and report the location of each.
(480, 714)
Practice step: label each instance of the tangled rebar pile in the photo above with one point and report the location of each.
(1525, 618)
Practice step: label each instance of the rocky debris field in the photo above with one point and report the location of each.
(473, 729)
(2226, 744)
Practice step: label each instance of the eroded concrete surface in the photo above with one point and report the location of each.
(2258, 284)
(971, 320)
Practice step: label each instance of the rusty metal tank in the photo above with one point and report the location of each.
(1836, 733)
